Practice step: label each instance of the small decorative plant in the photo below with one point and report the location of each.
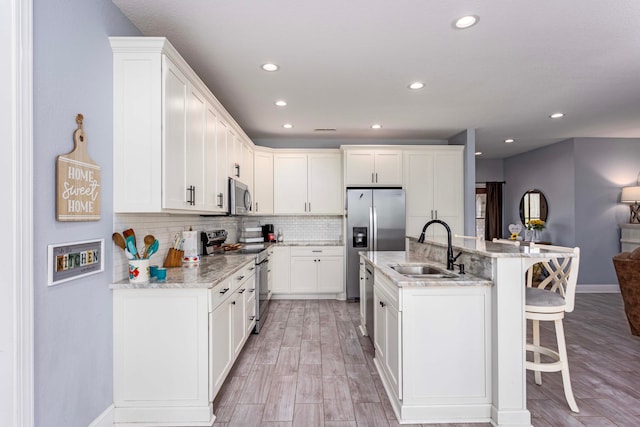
(535, 224)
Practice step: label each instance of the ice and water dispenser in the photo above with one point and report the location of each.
(360, 239)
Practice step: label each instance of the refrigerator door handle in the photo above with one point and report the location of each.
(374, 227)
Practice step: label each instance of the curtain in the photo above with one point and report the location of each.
(493, 217)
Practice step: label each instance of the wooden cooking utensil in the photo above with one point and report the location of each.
(119, 241)
(129, 234)
(148, 241)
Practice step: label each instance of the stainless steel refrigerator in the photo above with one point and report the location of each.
(375, 222)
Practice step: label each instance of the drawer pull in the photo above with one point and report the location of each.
(241, 291)
(233, 302)
(252, 290)
(382, 304)
(252, 268)
(239, 277)
(224, 291)
(252, 317)
(317, 250)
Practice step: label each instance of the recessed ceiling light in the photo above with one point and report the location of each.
(509, 140)
(466, 21)
(287, 125)
(416, 85)
(281, 103)
(556, 115)
(270, 67)
(376, 126)
(478, 153)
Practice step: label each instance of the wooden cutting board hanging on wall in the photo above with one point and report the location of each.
(77, 182)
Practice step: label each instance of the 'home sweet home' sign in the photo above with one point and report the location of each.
(77, 182)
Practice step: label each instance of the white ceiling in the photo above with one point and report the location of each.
(347, 64)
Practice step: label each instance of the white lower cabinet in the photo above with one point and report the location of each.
(280, 266)
(433, 350)
(173, 349)
(317, 269)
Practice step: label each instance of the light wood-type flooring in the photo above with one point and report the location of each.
(309, 366)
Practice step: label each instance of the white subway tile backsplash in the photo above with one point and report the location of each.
(165, 226)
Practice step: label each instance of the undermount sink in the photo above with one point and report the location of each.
(422, 271)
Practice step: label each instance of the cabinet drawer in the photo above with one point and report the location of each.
(317, 251)
(387, 289)
(242, 275)
(219, 293)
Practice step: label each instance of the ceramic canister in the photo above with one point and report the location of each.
(138, 271)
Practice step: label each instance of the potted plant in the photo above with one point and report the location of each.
(536, 225)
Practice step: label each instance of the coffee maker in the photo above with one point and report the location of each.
(268, 233)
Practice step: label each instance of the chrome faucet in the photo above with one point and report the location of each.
(450, 258)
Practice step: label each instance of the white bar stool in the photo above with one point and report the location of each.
(548, 301)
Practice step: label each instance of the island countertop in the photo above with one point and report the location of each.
(383, 260)
(494, 250)
(210, 271)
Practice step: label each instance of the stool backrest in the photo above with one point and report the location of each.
(468, 237)
(559, 274)
(506, 242)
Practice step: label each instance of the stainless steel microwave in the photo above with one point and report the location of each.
(239, 198)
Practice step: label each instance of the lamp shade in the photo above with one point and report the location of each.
(630, 194)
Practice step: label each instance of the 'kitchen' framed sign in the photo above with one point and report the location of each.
(68, 261)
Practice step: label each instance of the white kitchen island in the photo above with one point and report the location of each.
(451, 350)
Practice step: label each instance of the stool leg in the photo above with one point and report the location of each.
(536, 356)
(566, 380)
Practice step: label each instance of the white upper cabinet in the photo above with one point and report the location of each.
(308, 183)
(434, 189)
(325, 183)
(173, 141)
(373, 167)
(290, 183)
(175, 107)
(263, 182)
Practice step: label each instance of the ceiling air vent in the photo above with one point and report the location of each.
(325, 130)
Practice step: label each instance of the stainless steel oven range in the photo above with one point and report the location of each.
(262, 289)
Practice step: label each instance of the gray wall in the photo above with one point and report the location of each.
(551, 170)
(468, 139)
(73, 321)
(602, 168)
(582, 180)
(489, 170)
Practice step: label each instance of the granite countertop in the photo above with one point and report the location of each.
(311, 243)
(383, 260)
(209, 272)
(496, 250)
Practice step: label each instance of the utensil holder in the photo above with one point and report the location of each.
(174, 258)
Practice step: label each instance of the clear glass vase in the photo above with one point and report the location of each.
(536, 236)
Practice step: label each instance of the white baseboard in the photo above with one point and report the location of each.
(105, 419)
(598, 289)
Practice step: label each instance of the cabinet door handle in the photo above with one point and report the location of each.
(256, 206)
(309, 206)
(432, 214)
(382, 304)
(376, 177)
(220, 200)
(252, 317)
(252, 290)
(372, 179)
(241, 291)
(239, 277)
(252, 268)
(224, 291)
(237, 168)
(233, 302)
(192, 195)
(436, 213)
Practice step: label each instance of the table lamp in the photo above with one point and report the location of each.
(632, 195)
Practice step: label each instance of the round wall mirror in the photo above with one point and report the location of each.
(533, 205)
